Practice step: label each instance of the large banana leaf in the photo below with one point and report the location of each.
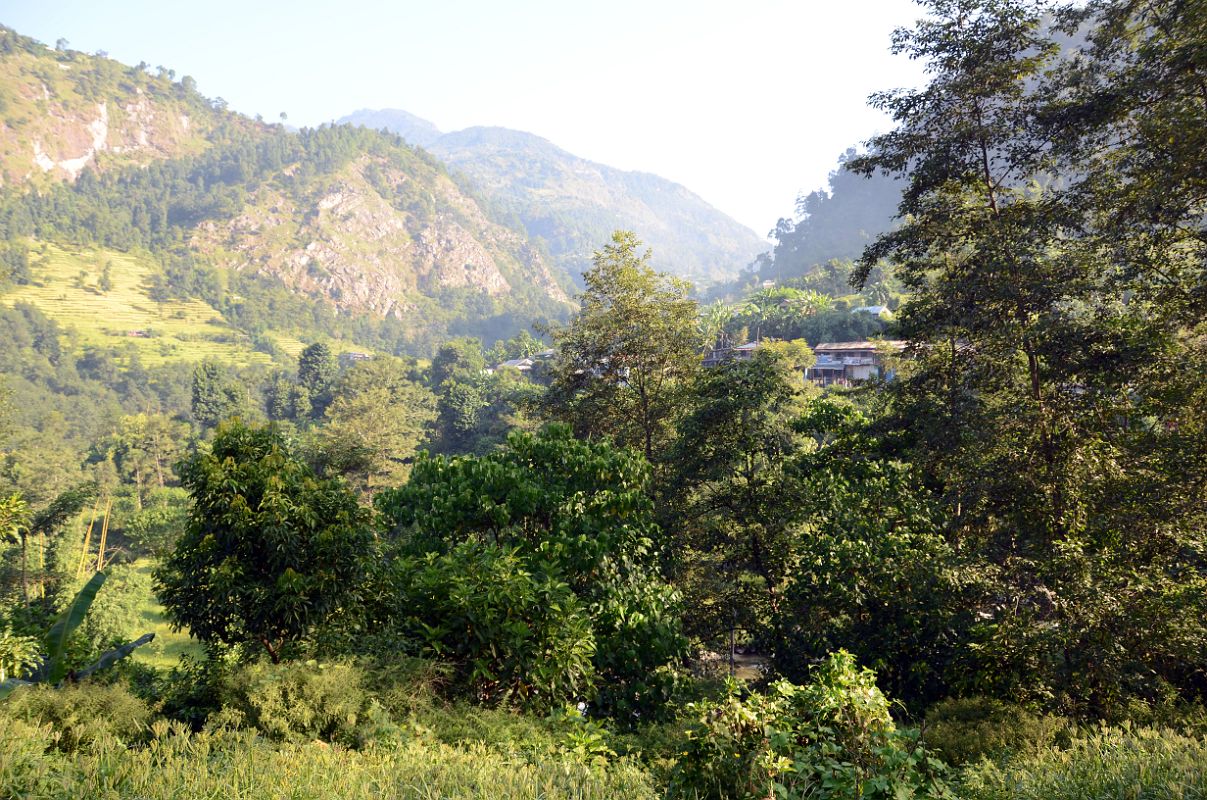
(113, 656)
(65, 625)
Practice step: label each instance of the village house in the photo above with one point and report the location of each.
(849, 363)
(349, 358)
(523, 365)
(743, 352)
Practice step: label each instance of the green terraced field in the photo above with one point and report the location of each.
(125, 315)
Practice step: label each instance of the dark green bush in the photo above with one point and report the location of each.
(569, 519)
(512, 635)
(964, 731)
(80, 713)
(191, 691)
(831, 738)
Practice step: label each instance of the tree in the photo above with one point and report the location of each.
(626, 357)
(522, 345)
(158, 525)
(378, 417)
(872, 572)
(317, 371)
(14, 527)
(271, 551)
(143, 449)
(459, 359)
(532, 641)
(215, 394)
(713, 321)
(726, 498)
(19, 523)
(1056, 387)
(572, 511)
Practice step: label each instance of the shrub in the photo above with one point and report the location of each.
(511, 634)
(1139, 764)
(302, 701)
(832, 738)
(191, 691)
(80, 713)
(232, 764)
(577, 518)
(964, 731)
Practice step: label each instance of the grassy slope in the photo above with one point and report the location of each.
(178, 331)
(167, 648)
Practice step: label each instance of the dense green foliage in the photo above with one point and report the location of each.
(575, 523)
(623, 361)
(830, 738)
(271, 551)
(1057, 387)
(513, 635)
(1005, 535)
(735, 543)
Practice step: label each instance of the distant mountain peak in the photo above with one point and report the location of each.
(414, 129)
(573, 204)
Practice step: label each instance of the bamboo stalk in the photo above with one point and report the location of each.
(87, 539)
(42, 564)
(100, 552)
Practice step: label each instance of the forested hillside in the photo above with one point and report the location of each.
(340, 222)
(834, 223)
(571, 204)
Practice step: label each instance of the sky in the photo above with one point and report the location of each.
(748, 103)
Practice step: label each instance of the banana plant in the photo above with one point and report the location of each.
(53, 666)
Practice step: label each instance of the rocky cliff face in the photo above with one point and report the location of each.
(347, 240)
(381, 230)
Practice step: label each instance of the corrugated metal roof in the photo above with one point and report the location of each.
(895, 344)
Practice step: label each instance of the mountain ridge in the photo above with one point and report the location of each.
(358, 222)
(573, 204)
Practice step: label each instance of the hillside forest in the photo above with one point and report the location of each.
(324, 474)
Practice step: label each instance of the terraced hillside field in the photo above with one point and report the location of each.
(67, 288)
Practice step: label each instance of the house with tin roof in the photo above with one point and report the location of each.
(850, 363)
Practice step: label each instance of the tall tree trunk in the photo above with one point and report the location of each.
(25, 567)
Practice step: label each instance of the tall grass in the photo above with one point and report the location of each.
(241, 766)
(1115, 763)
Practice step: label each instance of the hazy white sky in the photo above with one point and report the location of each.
(746, 102)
